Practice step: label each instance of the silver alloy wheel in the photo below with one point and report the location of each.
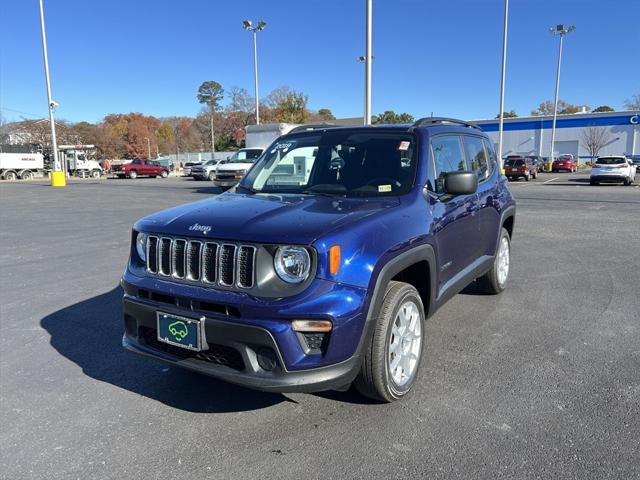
(405, 344)
(503, 261)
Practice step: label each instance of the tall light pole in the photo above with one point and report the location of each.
(367, 63)
(57, 175)
(502, 78)
(247, 25)
(561, 31)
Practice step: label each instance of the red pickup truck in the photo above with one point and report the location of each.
(139, 168)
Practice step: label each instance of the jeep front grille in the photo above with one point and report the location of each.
(210, 263)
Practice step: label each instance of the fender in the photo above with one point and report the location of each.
(394, 266)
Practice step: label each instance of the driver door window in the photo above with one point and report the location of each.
(448, 156)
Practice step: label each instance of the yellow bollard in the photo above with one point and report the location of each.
(58, 179)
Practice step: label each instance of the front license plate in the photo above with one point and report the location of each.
(180, 331)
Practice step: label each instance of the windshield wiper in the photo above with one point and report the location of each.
(327, 190)
(249, 189)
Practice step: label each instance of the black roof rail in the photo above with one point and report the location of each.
(312, 126)
(421, 122)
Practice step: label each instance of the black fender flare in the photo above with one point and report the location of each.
(509, 212)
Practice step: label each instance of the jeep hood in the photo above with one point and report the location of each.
(298, 219)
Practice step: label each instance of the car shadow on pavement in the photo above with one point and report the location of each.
(89, 333)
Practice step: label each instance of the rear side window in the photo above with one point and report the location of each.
(447, 157)
(477, 156)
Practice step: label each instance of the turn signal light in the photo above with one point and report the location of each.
(308, 326)
(334, 259)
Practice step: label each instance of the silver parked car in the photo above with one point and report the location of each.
(613, 169)
(204, 171)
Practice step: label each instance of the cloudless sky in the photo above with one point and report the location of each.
(150, 56)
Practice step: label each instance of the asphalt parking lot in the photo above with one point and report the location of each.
(542, 381)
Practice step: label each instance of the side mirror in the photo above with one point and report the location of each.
(461, 183)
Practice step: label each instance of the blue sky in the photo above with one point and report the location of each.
(435, 56)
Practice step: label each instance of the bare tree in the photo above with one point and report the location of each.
(633, 103)
(594, 139)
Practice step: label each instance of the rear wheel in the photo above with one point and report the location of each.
(593, 182)
(133, 174)
(495, 280)
(627, 182)
(212, 176)
(527, 177)
(11, 176)
(164, 174)
(26, 175)
(392, 358)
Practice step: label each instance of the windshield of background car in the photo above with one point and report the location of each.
(244, 156)
(611, 161)
(512, 162)
(347, 162)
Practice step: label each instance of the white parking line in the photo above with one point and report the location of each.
(549, 181)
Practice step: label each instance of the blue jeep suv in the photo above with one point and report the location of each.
(320, 268)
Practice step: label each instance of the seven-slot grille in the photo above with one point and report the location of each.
(213, 263)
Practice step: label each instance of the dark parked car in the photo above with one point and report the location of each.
(322, 265)
(520, 167)
(538, 162)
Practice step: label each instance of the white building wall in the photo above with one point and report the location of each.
(624, 134)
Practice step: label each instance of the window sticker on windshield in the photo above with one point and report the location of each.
(284, 146)
(404, 145)
(384, 188)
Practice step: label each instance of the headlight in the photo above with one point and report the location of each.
(292, 264)
(141, 246)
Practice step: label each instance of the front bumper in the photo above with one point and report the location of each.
(239, 341)
(225, 183)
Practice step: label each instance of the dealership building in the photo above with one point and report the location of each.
(532, 135)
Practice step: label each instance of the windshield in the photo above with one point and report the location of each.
(512, 162)
(343, 163)
(610, 161)
(244, 156)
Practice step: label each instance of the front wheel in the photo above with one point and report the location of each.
(95, 173)
(527, 177)
(212, 176)
(392, 358)
(495, 280)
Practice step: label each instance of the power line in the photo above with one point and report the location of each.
(21, 112)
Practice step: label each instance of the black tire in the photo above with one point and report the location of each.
(212, 176)
(96, 173)
(627, 182)
(375, 380)
(527, 177)
(164, 174)
(490, 282)
(133, 174)
(593, 182)
(10, 176)
(26, 175)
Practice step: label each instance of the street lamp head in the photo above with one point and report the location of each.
(261, 24)
(561, 29)
(246, 24)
